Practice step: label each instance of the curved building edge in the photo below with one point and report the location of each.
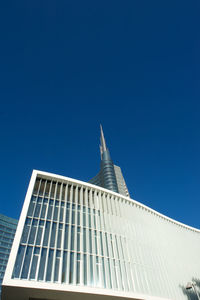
(80, 182)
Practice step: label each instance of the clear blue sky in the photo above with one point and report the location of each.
(67, 66)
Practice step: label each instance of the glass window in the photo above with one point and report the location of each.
(84, 219)
(67, 216)
(78, 218)
(46, 233)
(53, 189)
(34, 265)
(66, 237)
(71, 270)
(89, 218)
(36, 186)
(103, 275)
(72, 237)
(42, 185)
(47, 188)
(42, 264)
(90, 241)
(55, 214)
(78, 238)
(32, 232)
(61, 211)
(31, 209)
(64, 267)
(18, 262)
(50, 208)
(58, 190)
(84, 239)
(44, 208)
(26, 263)
(53, 235)
(37, 210)
(85, 268)
(73, 216)
(25, 231)
(49, 265)
(59, 235)
(78, 268)
(39, 232)
(63, 191)
(56, 271)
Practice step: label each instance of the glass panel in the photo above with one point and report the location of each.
(47, 188)
(84, 219)
(34, 266)
(61, 212)
(66, 237)
(71, 270)
(72, 237)
(53, 189)
(78, 218)
(84, 240)
(37, 210)
(106, 241)
(42, 264)
(63, 191)
(78, 269)
(41, 191)
(97, 271)
(32, 233)
(101, 244)
(26, 263)
(90, 241)
(31, 209)
(89, 219)
(36, 187)
(56, 272)
(49, 265)
(59, 236)
(73, 216)
(91, 271)
(25, 233)
(49, 214)
(55, 214)
(78, 238)
(64, 267)
(18, 262)
(67, 216)
(95, 241)
(104, 275)
(46, 234)
(43, 212)
(53, 234)
(39, 233)
(85, 268)
(58, 190)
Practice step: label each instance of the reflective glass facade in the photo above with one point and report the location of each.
(7, 233)
(77, 234)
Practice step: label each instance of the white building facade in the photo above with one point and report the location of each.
(79, 241)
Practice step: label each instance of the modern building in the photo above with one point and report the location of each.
(110, 175)
(7, 232)
(79, 241)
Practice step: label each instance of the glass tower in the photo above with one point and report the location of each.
(110, 175)
(7, 232)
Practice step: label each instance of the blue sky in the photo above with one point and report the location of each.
(133, 66)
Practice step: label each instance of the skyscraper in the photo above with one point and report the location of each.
(7, 232)
(110, 175)
(76, 240)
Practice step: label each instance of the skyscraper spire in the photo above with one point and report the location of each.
(110, 175)
(103, 147)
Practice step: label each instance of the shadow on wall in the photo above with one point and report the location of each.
(191, 295)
